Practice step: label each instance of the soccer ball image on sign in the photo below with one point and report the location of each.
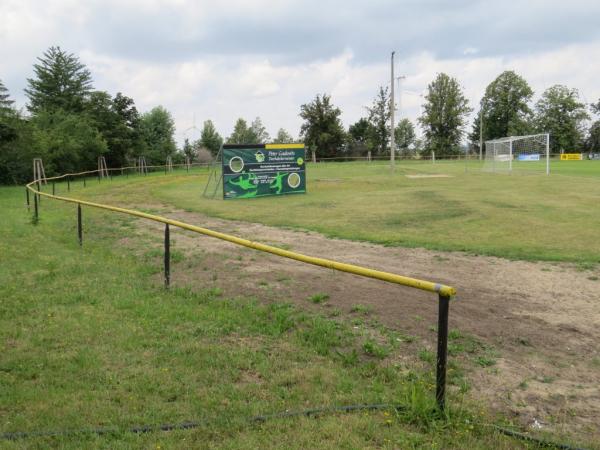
(293, 180)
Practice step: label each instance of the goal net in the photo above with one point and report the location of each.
(518, 154)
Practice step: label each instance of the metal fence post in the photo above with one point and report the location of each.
(442, 351)
(27, 195)
(35, 208)
(167, 256)
(79, 225)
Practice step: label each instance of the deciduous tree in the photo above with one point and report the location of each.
(322, 129)
(560, 113)
(444, 115)
(210, 138)
(504, 108)
(379, 121)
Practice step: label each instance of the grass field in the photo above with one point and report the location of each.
(529, 217)
(91, 339)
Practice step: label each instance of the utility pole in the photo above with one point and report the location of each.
(392, 107)
(481, 133)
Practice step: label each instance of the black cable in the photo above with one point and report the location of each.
(535, 440)
(263, 418)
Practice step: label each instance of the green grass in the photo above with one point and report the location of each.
(91, 339)
(528, 217)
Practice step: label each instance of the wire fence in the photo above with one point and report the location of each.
(444, 292)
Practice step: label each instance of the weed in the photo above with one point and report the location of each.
(372, 348)
(361, 309)
(318, 298)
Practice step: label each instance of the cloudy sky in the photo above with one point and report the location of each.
(229, 59)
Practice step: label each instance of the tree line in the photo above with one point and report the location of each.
(506, 109)
(69, 124)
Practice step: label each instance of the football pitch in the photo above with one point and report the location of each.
(447, 206)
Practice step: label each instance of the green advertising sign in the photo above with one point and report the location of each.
(265, 169)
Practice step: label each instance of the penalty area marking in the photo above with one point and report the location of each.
(440, 175)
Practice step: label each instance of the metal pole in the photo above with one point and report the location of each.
(392, 107)
(79, 225)
(167, 257)
(27, 195)
(35, 209)
(442, 352)
(547, 154)
(481, 134)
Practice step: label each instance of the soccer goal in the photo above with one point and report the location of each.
(518, 153)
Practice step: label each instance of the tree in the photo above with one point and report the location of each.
(444, 115)
(241, 134)
(17, 148)
(209, 138)
(322, 128)
(61, 82)
(188, 149)
(379, 119)
(69, 142)
(117, 120)
(404, 135)
(592, 143)
(283, 137)
(357, 139)
(158, 130)
(504, 108)
(560, 113)
(258, 132)
(6, 104)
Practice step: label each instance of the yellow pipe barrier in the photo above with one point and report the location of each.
(441, 289)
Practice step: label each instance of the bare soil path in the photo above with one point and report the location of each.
(541, 319)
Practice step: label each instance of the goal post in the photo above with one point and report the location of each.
(518, 154)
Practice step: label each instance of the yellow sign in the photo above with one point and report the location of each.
(571, 156)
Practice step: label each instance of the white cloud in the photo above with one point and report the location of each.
(192, 57)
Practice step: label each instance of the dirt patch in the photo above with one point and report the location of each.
(439, 175)
(542, 320)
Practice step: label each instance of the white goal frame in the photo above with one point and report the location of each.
(500, 151)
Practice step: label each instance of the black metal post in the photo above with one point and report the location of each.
(79, 225)
(442, 351)
(53, 188)
(27, 195)
(167, 257)
(68, 184)
(35, 209)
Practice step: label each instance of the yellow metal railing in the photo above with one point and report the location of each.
(445, 292)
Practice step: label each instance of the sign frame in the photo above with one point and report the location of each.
(261, 170)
